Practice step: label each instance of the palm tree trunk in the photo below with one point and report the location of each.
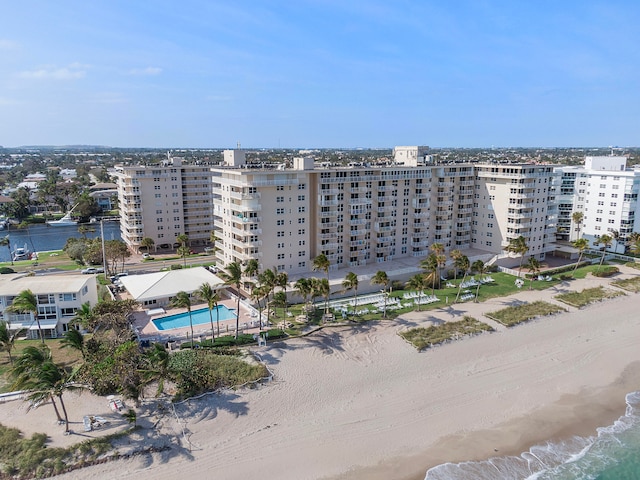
(212, 330)
(64, 410)
(218, 320)
(191, 325)
(238, 314)
(460, 287)
(55, 407)
(39, 328)
(573, 274)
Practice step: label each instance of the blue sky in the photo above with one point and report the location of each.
(320, 73)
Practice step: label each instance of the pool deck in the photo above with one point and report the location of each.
(146, 330)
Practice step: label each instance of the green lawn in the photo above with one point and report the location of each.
(511, 316)
(587, 296)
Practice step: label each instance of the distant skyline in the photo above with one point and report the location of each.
(320, 74)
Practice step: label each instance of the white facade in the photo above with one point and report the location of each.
(59, 297)
(606, 193)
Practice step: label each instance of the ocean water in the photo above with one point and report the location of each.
(612, 454)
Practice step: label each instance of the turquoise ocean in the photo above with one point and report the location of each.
(612, 454)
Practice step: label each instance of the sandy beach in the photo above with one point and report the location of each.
(360, 403)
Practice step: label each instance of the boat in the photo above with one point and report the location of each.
(65, 221)
(21, 253)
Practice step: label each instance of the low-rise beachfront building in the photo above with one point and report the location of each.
(156, 290)
(164, 201)
(605, 191)
(58, 296)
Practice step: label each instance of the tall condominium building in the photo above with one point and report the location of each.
(365, 215)
(605, 191)
(164, 201)
(512, 201)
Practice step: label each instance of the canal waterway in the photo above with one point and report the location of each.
(40, 238)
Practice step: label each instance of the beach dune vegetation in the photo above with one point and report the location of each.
(425, 337)
(587, 296)
(511, 316)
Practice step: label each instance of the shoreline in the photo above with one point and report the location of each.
(574, 415)
(355, 403)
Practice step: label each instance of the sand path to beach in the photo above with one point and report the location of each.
(359, 402)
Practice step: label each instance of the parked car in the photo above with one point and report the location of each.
(146, 256)
(92, 270)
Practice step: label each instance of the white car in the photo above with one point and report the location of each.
(92, 270)
(145, 256)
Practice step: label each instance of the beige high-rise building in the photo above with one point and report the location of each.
(164, 201)
(512, 201)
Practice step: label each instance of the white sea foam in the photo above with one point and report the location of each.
(577, 458)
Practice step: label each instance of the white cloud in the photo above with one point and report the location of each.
(7, 44)
(72, 72)
(145, 71)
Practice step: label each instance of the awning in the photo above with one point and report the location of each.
(33, 325)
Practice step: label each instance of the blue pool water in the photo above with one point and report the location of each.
(198, 317)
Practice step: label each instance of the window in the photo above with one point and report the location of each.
(301, 220)
(301, 242)
(280, 211)
(302, 186)
(280, 234)
(302, 264)
(301, 198)
(67, 297)
(301, 253)
(68, 312)
(280, 188)
(278, 223)
(301, 231)
(301, 209)
(46, 299)
(281, 256)
(279, 199)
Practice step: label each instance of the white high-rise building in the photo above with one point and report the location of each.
(605, 191)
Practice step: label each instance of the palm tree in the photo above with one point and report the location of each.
(84, 315)
(577, 218)
(6, 242)
(323, 288)
(282, 281)
(257, 294)
(27, 302)
(233, 276)
(533, 265)
(430, 267)
(321, 262)
(182, 300)
(441, 259)
(183, 239)
(633, 242)
(268, 280)
(184, 252)
(350, 282)
(606, 241)
(8, 339)
(455, 255)
(157, 366)
(73, 339)
(463, 264)
(252, 268)
(207, 293)
(381, 278)
(519, 247)
(84, 229)
(418, 283)
(147, 243)
(35, 372)
(304, 287)
(480, 267)
(581, 244)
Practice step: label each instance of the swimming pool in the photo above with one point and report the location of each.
(199, 317)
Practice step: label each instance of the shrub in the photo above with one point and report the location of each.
(189, 345)
(606, 271)
(175, 266)
(4, 270)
